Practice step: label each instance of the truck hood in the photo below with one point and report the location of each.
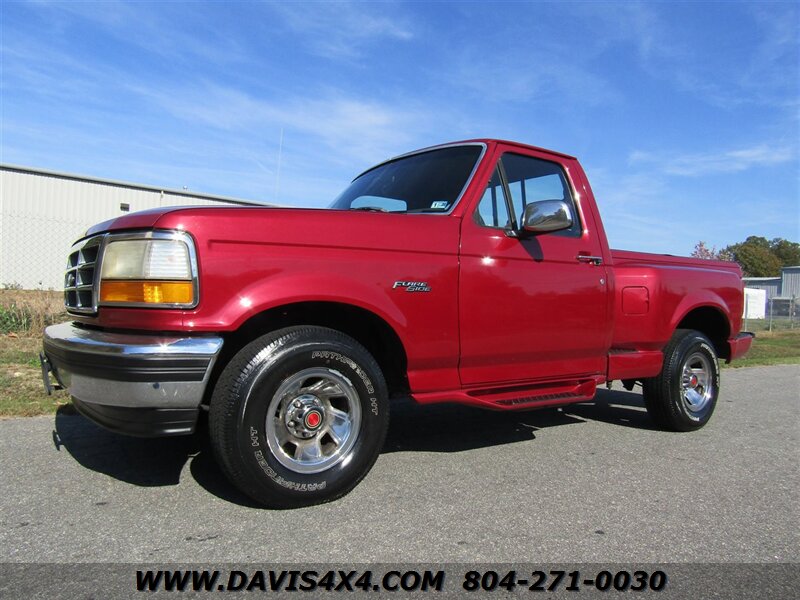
(147, 219)
(292, 227)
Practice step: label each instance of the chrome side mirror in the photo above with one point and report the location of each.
(546, 215)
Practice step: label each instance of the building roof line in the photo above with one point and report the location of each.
(129, 185)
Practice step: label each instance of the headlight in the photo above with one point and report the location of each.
(149, 269)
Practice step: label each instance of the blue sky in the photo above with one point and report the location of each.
(685, 115)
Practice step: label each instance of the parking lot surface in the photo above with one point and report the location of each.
(588, 483)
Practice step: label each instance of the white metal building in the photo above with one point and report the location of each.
(786, 286)
(42, 213)
(782, 293)
(771, 285)
(790, 282)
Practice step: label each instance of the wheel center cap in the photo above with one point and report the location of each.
(313, 419)
(304, 416)
(693, 381)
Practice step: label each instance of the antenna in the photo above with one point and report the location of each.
(278, 171)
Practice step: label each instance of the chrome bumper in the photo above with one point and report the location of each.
(139, 384)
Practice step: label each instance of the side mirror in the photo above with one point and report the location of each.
(546, 215)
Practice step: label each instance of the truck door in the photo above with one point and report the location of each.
(531, 307)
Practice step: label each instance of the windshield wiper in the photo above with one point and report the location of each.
(369, 208)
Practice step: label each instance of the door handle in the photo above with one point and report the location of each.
(594, 260)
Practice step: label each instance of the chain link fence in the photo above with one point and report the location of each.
(779, 314)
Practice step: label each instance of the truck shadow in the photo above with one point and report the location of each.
(144, 462)
(616, 407)
(456, 428)
(156, 462)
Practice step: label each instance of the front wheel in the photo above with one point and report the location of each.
(683, 396)
(299, 416)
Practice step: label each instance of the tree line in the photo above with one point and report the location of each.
(757, 256)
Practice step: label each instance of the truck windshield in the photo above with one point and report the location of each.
(426, 182)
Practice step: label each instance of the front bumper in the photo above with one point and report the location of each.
(137, 384)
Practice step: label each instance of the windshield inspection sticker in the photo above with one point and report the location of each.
(412, 286)
(440, 204)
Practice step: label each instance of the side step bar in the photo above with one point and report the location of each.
(517, 397)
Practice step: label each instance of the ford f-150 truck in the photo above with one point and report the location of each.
(475, 272)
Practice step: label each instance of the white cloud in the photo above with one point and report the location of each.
(137, 25)
(634, 23)
(341, 29)
(538, 75)
(352, 127)
(726, 161)
(704, 58)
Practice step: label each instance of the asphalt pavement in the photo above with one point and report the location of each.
(593, 482)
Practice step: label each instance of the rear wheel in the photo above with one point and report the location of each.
(683, 396)
(299, 416)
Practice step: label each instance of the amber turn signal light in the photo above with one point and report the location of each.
(146, 292)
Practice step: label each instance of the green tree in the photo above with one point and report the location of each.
(787, 252)
(756, 257)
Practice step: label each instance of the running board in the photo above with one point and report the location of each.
(517, 397)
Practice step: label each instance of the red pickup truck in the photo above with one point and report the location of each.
(475, 272)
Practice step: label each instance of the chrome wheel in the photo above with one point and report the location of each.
(313, 420)
(697, 383)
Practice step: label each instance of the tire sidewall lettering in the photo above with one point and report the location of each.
(288, 484)
(712, 354)
(330, 355)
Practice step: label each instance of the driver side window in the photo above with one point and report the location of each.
(528, 180)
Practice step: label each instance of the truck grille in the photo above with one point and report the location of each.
(79, 281)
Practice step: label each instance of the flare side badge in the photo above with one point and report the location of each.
(412, 286)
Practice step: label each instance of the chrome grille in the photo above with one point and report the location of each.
(80, 293)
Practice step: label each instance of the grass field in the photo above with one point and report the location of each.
(21, 391)
(24, 314)
(27, 312)
(775, 348)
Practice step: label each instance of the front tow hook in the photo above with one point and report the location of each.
(47, 368)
